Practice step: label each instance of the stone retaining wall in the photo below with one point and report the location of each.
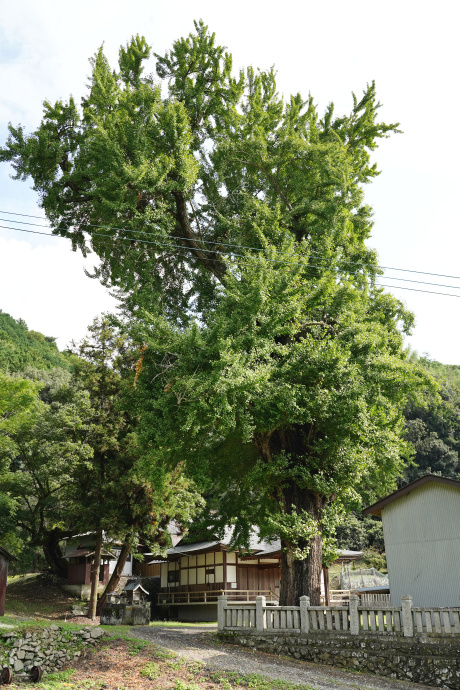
(50, 648)
(432, 660)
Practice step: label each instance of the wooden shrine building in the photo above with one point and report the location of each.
(5, 558)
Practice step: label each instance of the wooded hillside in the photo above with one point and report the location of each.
(21, 348)
(434, 430)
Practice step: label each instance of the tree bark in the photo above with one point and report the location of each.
(298, 577)
(302, 577)
(95, 568)
(114, 578)
(53, 554)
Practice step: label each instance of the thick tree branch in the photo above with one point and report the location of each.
(208, 260)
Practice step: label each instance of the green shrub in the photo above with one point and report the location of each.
(373, 559)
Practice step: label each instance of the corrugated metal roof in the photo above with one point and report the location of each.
(376, 508)
(349, 555)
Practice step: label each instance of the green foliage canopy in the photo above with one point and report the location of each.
(41, 446)
(161, 188)
(118, 492)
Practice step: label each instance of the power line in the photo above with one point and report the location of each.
(428, 292)
(227, 244)
(298, 263)
(168, 245)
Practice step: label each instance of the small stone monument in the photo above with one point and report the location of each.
(128, 608)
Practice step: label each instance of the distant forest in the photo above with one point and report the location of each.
(434, 429)
(21, 348)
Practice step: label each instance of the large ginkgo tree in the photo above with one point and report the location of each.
(233, 224)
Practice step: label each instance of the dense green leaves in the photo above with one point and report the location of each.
(43, 446)
(433, 428)
(162, 188)
(21, 348)
(259, 395)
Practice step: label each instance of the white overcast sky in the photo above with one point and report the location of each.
(410, 48)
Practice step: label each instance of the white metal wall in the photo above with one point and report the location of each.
(422, 543)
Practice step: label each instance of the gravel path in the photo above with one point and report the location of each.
(201, 644)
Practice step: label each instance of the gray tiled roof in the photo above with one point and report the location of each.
(188, 548)
(256, 545)
(133, 586)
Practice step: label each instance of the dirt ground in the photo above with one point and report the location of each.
(202, 645)
(140, 664)
(37, 596)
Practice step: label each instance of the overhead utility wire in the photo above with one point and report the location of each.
(181, 247)
(224, 244)
(168, 245)
(428, 292)
(210, 251)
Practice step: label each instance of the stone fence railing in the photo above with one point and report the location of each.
(353, 619)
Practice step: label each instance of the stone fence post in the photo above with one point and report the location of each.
(354, 614)
(407, 620)
(221, 604)
(260, 603)
(304, 614)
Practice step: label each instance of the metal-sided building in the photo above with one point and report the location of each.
(421, 527)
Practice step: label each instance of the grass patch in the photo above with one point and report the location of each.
(37, 595)
(150, 671)
(29, 609)
(182, 685)
(56, 681)
(136, 646)
(163, 654)
(232, 679)
(18, 624)
(12, 579)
